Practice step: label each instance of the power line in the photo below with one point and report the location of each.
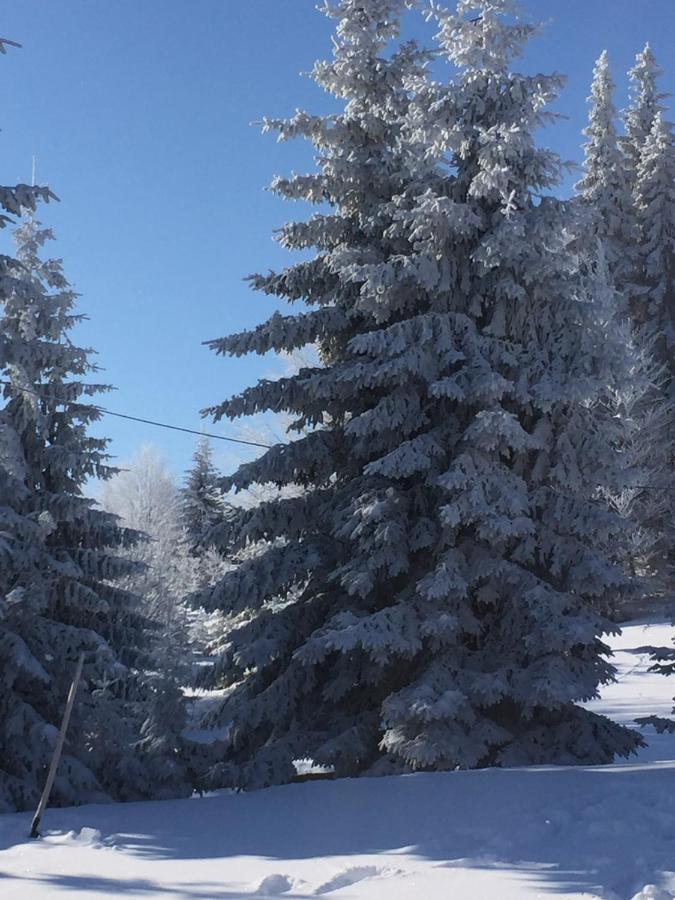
(117, 415)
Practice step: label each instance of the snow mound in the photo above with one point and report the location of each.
(273, 885)
(652, 892)
(86, 837)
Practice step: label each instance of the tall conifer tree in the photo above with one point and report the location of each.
(435, 598)
(650, 151)
(640, 119)
(58, 585)
(605, 187)
(645, 104)
(528, 526)
(610, 190)
(655, 310)
(202, 501)
(655, 199)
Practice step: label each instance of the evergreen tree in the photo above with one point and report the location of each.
(63, 558)
(645, 421)
(613, 190)
(655, 199)
(203, 504)
(605, 188)
(435, 596)
(655, 308)
(644, 106)
(533, 441)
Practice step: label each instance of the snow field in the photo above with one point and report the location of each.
(604, 832)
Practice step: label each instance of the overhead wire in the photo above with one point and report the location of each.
(154, 423)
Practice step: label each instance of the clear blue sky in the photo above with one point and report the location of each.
(139, 113)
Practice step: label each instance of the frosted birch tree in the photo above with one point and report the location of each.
(146, 498)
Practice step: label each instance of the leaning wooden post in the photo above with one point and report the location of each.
(58, 749)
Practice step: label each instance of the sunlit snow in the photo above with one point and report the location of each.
(606, 832)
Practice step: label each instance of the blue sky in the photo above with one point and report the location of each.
(139, 113)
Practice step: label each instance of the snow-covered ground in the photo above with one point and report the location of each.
(605, 832)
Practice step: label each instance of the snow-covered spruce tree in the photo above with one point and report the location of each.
(639, 118)
(611, 191)
(202, 501)
(643, 420)
(605, 188)
(645, 104)
(647, 416)
(62, 559)
(654, 310)
(655, 200)
(649, 147)
(532, 448)
(434, 599)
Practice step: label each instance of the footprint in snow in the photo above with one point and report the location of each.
(350, 876)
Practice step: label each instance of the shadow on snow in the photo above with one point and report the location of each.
(563, 829)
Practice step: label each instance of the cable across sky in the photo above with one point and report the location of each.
(155, 424)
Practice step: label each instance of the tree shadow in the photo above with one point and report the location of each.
(565, 829)
(140, 887)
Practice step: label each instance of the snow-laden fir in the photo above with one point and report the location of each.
(60, 556)
(645, 105)
(202, 501)
(648, 149)
(655, 198)
(605, 187)
(437, 596)
(627, 190)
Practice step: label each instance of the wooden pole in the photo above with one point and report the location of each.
(58, 750)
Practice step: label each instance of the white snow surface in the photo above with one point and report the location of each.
(604, 832)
